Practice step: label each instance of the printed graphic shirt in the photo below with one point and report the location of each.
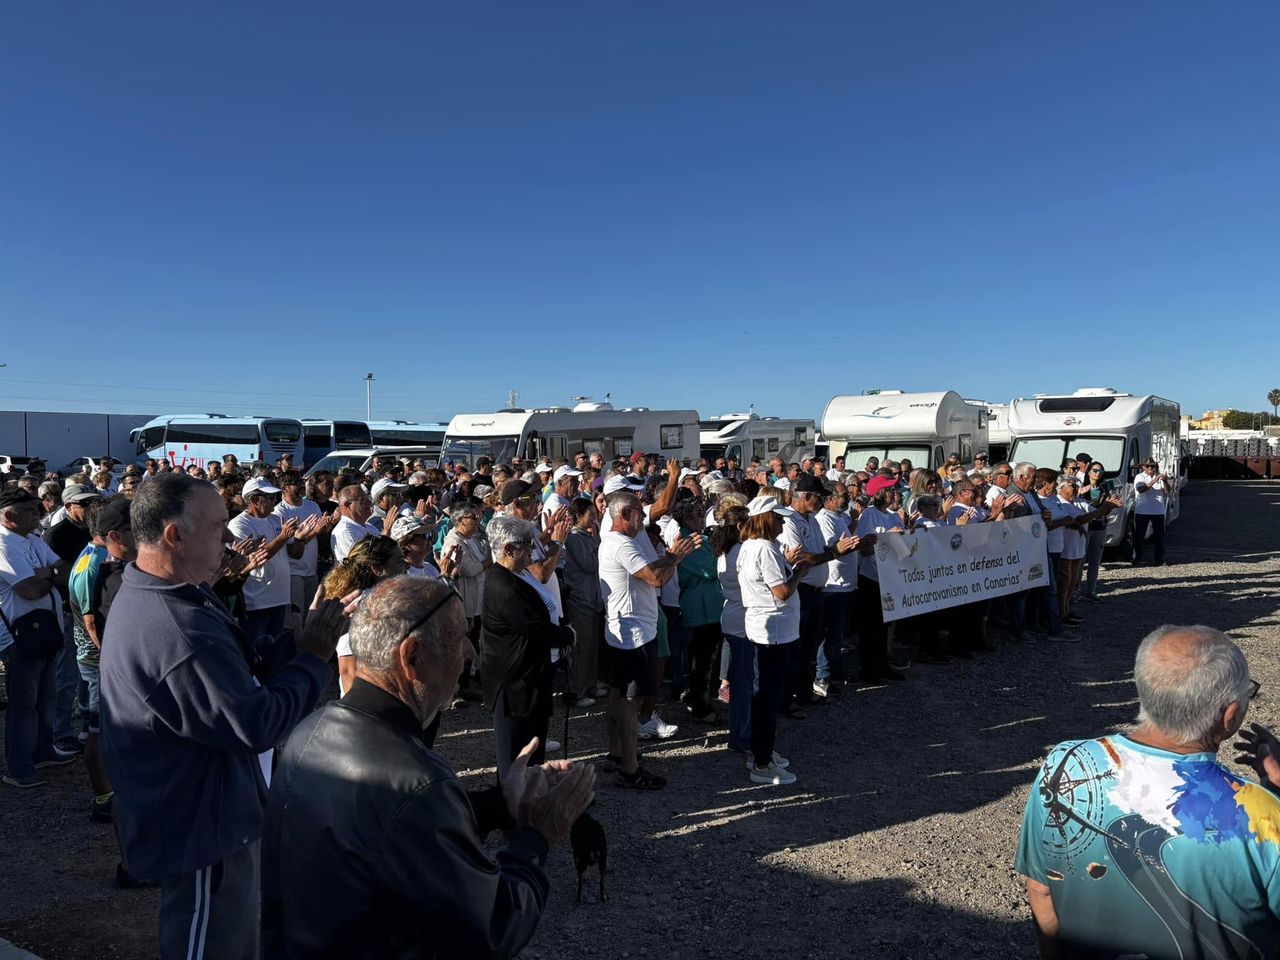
(1152, 853)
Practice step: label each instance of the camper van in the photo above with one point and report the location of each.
(748, 436)
(560, 432)
(1118, 430)
(890, 425)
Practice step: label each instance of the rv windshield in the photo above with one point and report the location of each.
(467, 449)
(855, 458)
(1051, 451)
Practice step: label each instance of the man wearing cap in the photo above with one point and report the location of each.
(520, 499)
(545, 472)
(564, 487)
(413, 534)
(50, 494)
(304, 549)
(876, 520)
(67, 538)
(979, 463)
(386, 497)
(354, 509)
(267, 588)
(1150, 491)
(27, 586)
(800, 529)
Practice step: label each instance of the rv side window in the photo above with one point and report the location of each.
(672, 435)
(757, 449)
(799, 437)
(623, 447)
(938, 458)
(773, 444)
(593, 446)
(559, 444)
(966, 448)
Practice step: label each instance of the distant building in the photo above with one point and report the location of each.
(1212, 420)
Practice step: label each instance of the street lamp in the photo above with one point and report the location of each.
(368, 396)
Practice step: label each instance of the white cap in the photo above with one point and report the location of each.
(382, 485)
(763, 505)
(407, 525)
(688, 472)
(782, 483)
(565, 471)
(618, 482)
(542, 467)
(258, 485)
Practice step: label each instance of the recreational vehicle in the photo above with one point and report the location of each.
(1118, 430)
(560, 432)
(748, 437)
(922, 427)
(997, 429)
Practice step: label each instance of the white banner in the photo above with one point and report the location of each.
(948, 566)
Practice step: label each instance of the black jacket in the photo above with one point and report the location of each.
(515, 645)
(372, 849)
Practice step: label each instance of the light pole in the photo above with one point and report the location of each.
(368, 396)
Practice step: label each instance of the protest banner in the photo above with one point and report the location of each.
(932, 569)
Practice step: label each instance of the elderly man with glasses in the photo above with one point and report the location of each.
(1142, 843)
(360, 804)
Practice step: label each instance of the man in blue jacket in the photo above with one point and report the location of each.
(187, 728)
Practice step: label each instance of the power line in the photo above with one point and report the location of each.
(225, 392)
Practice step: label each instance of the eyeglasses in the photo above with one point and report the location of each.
(432, 612)
(1000, 473)
(521, 545)
(1254, 687)
(1095, 469)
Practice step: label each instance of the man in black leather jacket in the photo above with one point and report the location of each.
(371, 846)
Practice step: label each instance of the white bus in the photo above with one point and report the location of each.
(1118, 430)
(748, 436)
(407, 433)
(891, 425)
(322, 437)
(560, 432)
(184, 439)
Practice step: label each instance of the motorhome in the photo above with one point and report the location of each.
(997, 429)
(748, 437)
(1118, 430)
(198, 438)
(560, 432)
(891, 425)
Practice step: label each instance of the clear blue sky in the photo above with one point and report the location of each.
(245, 207)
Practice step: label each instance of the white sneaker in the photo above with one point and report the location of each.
(778, 761)
(772, 774)
(584, 702)
(553, 746)
(656, 727)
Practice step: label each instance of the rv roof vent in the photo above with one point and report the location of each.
(513, 410)
(589, 406)
(552, 410)
(1086, 404)
(766, 418)
(1096, 392)
(736, 416)
(635, 409)
(889, 393)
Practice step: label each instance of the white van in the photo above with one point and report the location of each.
(748, 437)
(891, 425)
(560, 432)
(1118, 430)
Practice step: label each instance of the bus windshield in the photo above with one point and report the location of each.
(467, 449)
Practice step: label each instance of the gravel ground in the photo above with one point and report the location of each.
(895, 842)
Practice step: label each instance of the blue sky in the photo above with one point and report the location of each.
(246, 207)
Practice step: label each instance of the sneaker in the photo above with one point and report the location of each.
(68, 747)
(553, 746)
(83, 736)
(772, 774)
(642, 779)
(23, 783)
(1066, 636)
(656, 727)
(1092, 599)
(723, 695)
(127, 881)
(601, 690)
(778, 761)
(821, 688)
(1073, 621)
(102, 812)
(57, 760)
(584, 702)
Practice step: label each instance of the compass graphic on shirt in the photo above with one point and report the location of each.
(1072, 793)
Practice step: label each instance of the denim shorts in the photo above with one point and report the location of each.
(89, 674)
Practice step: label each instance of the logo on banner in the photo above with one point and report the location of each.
(883, 552)
(1035, 572)
(1035, 530)
(956, 540)
(886, 601)
(1004, 534)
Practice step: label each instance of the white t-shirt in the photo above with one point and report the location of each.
(19, 558)
(802, 530)
(842, 574)
(427, 571)
(1058, 509)
(631, 605)
(1149, 496)
(768, 620)
(874, 520)
(549, 508)
(347, 533)
(268, 586)
(733, 614)
(669, 595)
(994, 491)
(1073, 538)
(306, 565)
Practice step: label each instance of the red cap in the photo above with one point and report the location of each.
(876, 484)
(637, 457)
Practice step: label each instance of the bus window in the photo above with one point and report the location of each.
(351, 433)
(241, 433)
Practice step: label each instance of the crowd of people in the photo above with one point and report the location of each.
(179, 629)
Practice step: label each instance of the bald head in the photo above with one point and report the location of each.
(1187, 676)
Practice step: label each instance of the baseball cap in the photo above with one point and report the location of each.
(637, 457)
(382, 485)
(762, 505)
(258, 485)
(406, 526)
(513, 490)
(618, 482)
(481, 490)
(16, 497)
(114, 515)
(79, 493)
(565, 471)
(543, 467)
(876, 484)
(808, 483)
(687, 472)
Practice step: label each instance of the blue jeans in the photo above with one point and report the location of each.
(28, 727)
(1093, 560)
(835, 621)
(1047, 599)
(67, 681)
(742, 685)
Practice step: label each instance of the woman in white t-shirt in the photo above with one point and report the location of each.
(1074, 542)
(726, 544)
(768, 581)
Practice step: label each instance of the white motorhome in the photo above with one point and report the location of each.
(997, 429)
(560, 432)
(749, 436)
(1118, 430)
(890, 425)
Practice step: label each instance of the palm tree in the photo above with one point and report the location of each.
(1273, 398)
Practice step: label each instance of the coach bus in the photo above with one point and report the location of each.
(198, 438)
(407, 433)
(556, 432)
(322, 437)
(1118, 430)
(748, 436)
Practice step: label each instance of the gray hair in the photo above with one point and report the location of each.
(1023, 469)
(386, 615)
(50, 488)
(1182, 692)
(1067, 480)
(163, 500)
(505, 530)
(619, 502)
